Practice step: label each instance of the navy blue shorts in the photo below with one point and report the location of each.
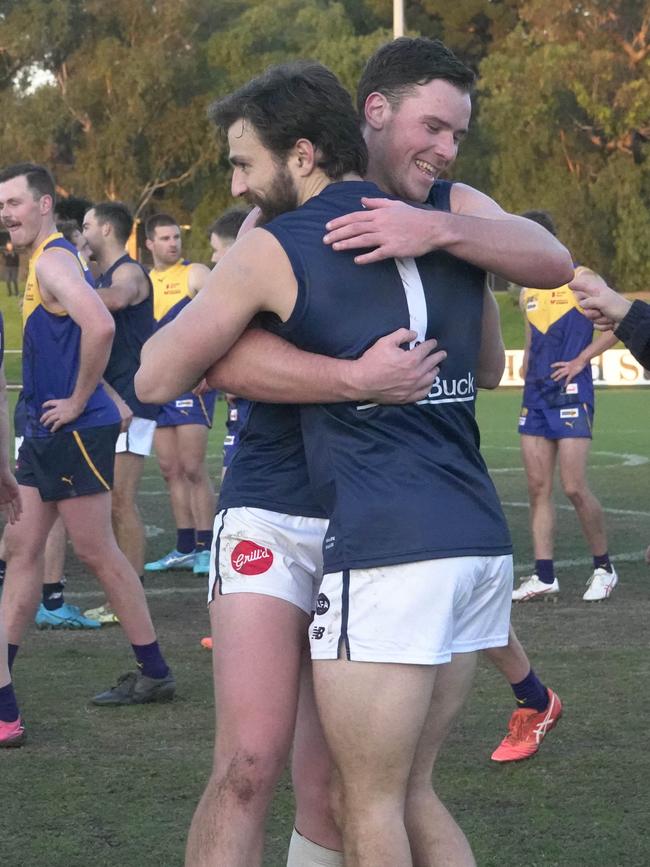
(238, 411)
(562, 422)
(188, 409)
(69, 463)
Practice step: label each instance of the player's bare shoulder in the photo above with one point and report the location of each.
(60, 274)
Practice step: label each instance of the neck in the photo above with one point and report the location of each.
(109, 256)
(48, 228)
(159, 265)
(317, 182)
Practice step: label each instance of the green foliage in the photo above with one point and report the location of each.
(561, 119)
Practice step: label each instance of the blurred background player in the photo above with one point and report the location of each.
(555, 424)
(12, 262)
(66, 459)
(12, 730)
(53, 612)
(181, 437)
(125, 288)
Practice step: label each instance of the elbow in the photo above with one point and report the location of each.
(559, 269)
(148, 388)
(490, 376)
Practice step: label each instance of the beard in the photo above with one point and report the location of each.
(282, 196)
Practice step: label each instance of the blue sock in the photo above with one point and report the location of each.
(203, 540)
(531, 692)
(12, 650)
(544, 571)
(8, 705)
(602, 562)
(185, 540)
(3, 569)
(150, 660)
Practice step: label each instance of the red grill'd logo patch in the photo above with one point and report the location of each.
(249, 558)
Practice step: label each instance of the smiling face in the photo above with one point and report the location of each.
(24, 213)
(413, 142)
(93, 234)
(258, 174)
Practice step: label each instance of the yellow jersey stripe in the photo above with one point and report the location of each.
(88, 459)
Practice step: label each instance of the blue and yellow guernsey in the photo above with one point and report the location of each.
(171, 291)
(559, 332)
(51, 348)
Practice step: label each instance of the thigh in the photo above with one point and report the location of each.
(192, 442)
(257, 657)
(573, 457)
(29, 535)
(87, 521)
(373, 715)
(128, 472)
(482, 619)
(166, 446)
(539, 456)
(451, 688)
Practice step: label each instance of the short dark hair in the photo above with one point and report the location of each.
(298, 100)
(72, 208)
(543, 218)
(229, 223)
(39, 178)
(158, 220)
(399, 66)
(118, 215)
(68, 228)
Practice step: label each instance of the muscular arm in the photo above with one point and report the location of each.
(129, 286)
(262, 366)
(255, 275)
(492, 353)
(61, 280)
(476, 229)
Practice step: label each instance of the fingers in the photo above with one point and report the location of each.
(341, 223)
(402, 335)
(376, 255)
(354, 240)
(377, 203)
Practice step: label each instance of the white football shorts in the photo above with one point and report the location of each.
(259, 551)
(416, 613)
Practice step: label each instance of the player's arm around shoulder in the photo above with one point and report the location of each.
(517, 249)
(254, 276)
(129, 287)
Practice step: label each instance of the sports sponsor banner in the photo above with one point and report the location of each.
(614, 367)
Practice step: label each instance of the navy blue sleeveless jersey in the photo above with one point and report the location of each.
(51, 353)
(398, 483)
(133, 326)
(269, 468)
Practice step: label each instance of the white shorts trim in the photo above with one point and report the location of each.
(137, 438)
(259, 551)
(18, 441)
(417, 613)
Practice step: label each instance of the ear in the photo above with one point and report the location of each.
(148, 244)
(376, 110)
(45, 204)
(303, 157)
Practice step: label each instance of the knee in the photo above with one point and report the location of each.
(247, 778)
(574, 492)
(170, 470)
(195, 473)
(538, 488)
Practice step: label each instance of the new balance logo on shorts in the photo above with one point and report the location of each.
(249, 558)
(317, 632)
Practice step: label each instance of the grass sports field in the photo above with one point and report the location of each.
(118, 786)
